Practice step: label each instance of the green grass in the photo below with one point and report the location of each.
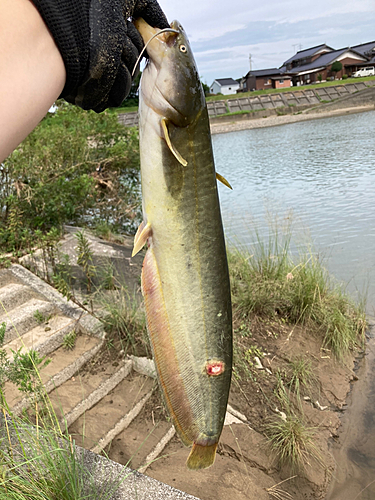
(41, 318)
(241, 112)
(42, 463)
(122, 315)
(290, 438)
(38, 460)
(292, 441)
(300, 375)
(270, 282)
(69, 340)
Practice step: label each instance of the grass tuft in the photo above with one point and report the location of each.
(292, 441)
(269, 281)
(123, 315)
(69, 340)
(300, 375)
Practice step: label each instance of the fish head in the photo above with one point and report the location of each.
(170, 82)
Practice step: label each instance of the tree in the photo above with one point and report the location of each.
(206, 88)
(336, 67)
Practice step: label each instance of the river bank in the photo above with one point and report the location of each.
(282, 376)
(233, 124)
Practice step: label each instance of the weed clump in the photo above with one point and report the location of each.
(271, 283)
(123, 316)
(289, 436)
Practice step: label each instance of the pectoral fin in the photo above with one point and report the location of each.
(223, 180)
(169, 143)
(144, 232)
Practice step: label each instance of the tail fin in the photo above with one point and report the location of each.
(201, 457)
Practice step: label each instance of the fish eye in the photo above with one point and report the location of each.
(183, 48)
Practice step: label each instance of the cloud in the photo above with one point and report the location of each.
(222, 35)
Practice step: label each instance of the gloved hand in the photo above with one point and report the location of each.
(99, 45)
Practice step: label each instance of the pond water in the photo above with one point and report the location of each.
(321, 173)
(321, 176)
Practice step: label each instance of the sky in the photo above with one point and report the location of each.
(223, 34)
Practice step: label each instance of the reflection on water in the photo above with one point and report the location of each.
(322, 170)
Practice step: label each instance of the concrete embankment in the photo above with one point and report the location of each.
(342, 102)
(269, 110)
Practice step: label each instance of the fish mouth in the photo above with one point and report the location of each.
(148, 32)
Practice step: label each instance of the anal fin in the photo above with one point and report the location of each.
(173, 150)
(223, 180)
(144, 232)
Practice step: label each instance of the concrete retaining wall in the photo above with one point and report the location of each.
(282, 103)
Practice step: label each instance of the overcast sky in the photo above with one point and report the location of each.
(223, 33)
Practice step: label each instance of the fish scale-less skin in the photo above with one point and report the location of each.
(185, 277)
(188, 245)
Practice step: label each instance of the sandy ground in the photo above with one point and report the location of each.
(245, 467)
(230, 125)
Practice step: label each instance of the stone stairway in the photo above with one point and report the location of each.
(106, 407)
(37, 317)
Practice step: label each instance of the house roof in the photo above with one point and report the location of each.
(367, 50)
(264, 72)
(364, 48)
(226, 81)
(301, 54)
(322, 61)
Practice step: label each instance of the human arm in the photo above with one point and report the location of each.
(86, 57)
(32, 72)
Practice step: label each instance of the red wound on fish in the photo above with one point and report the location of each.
(215, 368)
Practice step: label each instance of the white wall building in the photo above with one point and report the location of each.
(225, 86)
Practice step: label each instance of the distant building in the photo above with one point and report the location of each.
(367, 50)
(225, 86)
(315, 64)
(263, 79)
(306, 56)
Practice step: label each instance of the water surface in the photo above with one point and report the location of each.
(323, 171)
(321, 175)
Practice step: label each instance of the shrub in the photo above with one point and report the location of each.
(77, 166)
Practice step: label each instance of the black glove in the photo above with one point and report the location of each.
(99, 45)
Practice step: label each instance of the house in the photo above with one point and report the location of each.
(225, 86)
(311, 66)
(306, 56)
(263, 79)
(367, 50)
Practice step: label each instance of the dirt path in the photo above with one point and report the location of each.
(231, 125)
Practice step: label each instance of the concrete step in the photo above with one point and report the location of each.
(64, 365)
(83, 391)
(13, 295)
(133, 446)
(97, 427)
(23, 318)
(43, 338)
